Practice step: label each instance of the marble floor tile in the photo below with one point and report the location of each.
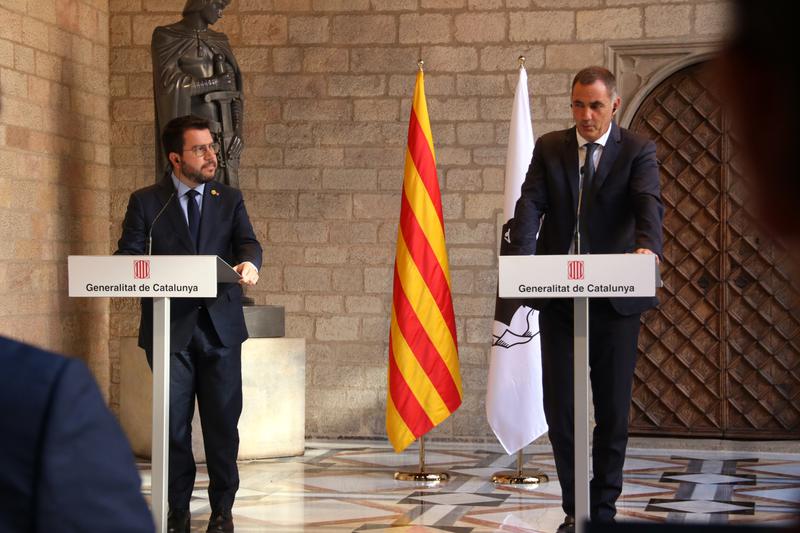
(347, 486)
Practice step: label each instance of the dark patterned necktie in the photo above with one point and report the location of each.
(588, 178)
(193, 214)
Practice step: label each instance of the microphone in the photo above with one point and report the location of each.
(153, 223)
(577, 236)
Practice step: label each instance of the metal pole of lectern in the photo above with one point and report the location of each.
(580, 386)
(581, 402)
(160, 446)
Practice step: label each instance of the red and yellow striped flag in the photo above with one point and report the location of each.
(424, 378)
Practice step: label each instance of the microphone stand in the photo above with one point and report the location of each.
(576, 239)
(152, 224)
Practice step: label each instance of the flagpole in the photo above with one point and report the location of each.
(421, 226)
(422, 475)
(518, 477)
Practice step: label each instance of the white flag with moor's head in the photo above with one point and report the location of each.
(514, 405)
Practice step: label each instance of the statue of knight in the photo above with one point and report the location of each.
(194, 72)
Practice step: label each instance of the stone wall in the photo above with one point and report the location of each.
(54, 175)
(328, 88)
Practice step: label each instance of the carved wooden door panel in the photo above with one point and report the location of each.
(721, 356)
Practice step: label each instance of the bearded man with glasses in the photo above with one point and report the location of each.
(188, 212)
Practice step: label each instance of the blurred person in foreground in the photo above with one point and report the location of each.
(758, 87)
(65, 464)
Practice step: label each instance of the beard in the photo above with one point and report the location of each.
(196, 174)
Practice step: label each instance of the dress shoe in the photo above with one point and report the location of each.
(178, 521)
(220, 522)
(568, 526)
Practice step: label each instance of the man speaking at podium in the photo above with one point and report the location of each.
(189, 213)
(601, 182)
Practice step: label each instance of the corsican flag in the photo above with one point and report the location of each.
(424, 375)
(514, 391)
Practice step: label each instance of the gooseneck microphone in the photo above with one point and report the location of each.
(153, 223)
(576, 239)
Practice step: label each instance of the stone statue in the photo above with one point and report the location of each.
(194, 72)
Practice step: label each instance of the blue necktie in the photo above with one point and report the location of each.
(588, 179)
(193, 214)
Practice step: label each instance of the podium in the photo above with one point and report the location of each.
(159, 277)
(579, 277)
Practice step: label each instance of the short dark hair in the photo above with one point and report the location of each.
(589, 75)
(172, 136)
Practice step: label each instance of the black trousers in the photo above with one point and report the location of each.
(612, 360)
(212, 373)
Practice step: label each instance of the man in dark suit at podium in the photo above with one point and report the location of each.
(614, 174)
(189, 213)
(65, 464)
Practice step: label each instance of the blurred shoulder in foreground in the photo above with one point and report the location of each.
(65, 464)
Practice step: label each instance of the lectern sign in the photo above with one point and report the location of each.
(156, 276)
(571, 276)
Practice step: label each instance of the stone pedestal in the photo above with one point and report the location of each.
(273, 416)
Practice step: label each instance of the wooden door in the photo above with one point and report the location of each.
(721, 356)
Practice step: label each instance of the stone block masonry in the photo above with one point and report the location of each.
(55, 196)
(328, 94)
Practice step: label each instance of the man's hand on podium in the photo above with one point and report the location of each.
(645, 251)
(249, 273)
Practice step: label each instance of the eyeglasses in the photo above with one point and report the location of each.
(202, 149)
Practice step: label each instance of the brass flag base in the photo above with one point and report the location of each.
(519, 477)
(422, 475)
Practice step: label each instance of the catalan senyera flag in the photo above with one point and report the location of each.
(424, 377)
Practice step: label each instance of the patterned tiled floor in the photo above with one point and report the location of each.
(348, 486)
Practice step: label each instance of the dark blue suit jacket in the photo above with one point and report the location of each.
(65, 464)
(624, 206)
(225, 230)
